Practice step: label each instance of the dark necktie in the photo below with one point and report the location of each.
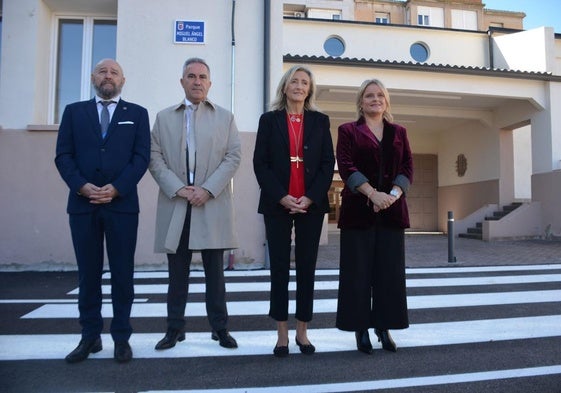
(104, 117)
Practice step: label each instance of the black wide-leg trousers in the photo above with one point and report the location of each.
(372, 292)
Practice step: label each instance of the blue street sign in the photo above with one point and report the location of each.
(189, 32)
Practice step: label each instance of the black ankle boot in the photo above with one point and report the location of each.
(363, 343)
(384, 337)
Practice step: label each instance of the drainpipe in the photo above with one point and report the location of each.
(233, 54)
(266, 54)
(231, 256)
(266, 79)
(491, 52)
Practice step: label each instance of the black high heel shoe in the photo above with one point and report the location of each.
(384, 337)
(363, 343)
(306, 349)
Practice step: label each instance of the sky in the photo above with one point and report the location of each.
(538, 12)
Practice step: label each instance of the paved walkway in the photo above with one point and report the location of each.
(421, 250)
(432, 251)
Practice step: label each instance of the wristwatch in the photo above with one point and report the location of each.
(394, 193)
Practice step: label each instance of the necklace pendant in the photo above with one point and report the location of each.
(297, 159)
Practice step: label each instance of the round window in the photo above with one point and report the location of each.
(419, 51)
(334, 46)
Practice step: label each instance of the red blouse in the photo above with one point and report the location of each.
(296, 141)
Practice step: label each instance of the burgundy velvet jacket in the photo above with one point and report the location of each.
(382, 165)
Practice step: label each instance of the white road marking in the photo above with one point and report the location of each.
(335, 272)
(320, 305)
(334, 284)
(389, 383)
(56, 346)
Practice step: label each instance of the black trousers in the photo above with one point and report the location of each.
(89, 232)
(372, 289)
(307, 230)
(179, 265)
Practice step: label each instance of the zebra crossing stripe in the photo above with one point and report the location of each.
(390, 383)
(234, 287)
(334, 272)
(198, 309)
(56, 346)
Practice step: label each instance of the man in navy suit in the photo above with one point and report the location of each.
(102, 152)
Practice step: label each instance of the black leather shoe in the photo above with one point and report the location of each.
(363, 343)
(281, 351)
(387, 343)
(170, 339)
(83, 350)
(306, 349)
(224, 338)
(123, 352)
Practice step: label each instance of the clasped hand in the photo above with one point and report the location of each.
(381, 201)
(296, 205)
(195, 195)
(99, 195)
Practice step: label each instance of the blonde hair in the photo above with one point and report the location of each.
(279, 103)
(387, 113)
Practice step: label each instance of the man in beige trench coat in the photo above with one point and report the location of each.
(195, 152)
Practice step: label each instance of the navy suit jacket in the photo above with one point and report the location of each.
(271, 161)
(120, 159)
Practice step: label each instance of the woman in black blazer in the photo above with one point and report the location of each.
(293, 162)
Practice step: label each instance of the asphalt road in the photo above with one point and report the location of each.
(473, 329)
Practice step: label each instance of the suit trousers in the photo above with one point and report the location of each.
(307, 231)
(372, 290)
(89, 231)
(179, 265)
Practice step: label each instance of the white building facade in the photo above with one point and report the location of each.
(479, 107)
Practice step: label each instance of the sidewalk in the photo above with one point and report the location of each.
(432, 251)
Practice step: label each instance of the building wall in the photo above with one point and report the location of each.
(464, 199)
(479, 146)
(386, 42)
(522, 163)
(25, 76)
(529, 50)
(507, 20)
(546, 188)
(365, 10)
(33, 198)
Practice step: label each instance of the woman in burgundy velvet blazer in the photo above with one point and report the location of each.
(375, 162)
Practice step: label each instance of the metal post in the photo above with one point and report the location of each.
(451, 257)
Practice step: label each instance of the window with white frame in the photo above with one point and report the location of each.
(430, 16)
(423, 20)
(464, 19)
(382, 17)
(321, 13)
(81, 43)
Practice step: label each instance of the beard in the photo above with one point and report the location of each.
(107, 90)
